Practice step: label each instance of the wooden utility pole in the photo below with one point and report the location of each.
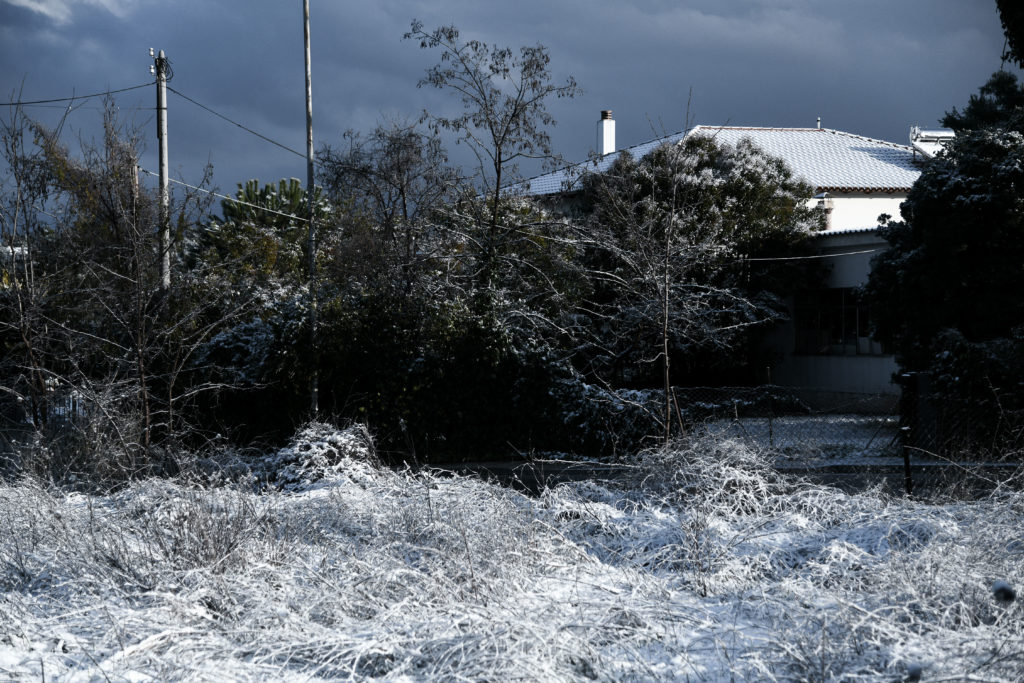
(160, 69)
(314, 388)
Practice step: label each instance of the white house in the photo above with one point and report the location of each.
(826, 346)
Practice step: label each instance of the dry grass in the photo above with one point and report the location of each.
(706, 566)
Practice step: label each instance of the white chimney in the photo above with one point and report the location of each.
(606, 133)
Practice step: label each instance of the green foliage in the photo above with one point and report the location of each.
(670, 237)
(955, 259)
(387, 189)
(1011, 14)
(525, 271)
(439, 358)
(433, 380)
(262, 362)
(263, 233)
(448, 316)
(983, 371)
(999, 103)
(947, 290)
(447, 384)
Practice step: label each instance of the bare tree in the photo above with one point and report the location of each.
(395, 180)
(112, 348)
(504, 96)
(23, 234)
(668, 236)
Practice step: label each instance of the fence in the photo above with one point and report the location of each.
(917, 441)
(796, 421)
(988, 427)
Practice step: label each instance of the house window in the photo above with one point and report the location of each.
(834, 322)
(825, 206)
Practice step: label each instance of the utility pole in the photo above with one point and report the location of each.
(314, 388)
(160, 65)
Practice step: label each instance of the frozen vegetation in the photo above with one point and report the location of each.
(316, 563)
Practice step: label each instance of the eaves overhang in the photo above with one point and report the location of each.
(866, 190)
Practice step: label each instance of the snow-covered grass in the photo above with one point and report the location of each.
(705, 564)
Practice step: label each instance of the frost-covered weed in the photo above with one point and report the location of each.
(319, 452)
(704, 566)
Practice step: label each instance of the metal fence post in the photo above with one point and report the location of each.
(910, 417)
(908, 479)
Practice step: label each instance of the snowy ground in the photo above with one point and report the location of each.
(702, 565)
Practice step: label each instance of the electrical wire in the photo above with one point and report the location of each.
(73, 98)
(224, 196)
(306, 220)
(248, 130)
(803, 258)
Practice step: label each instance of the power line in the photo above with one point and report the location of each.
(224, 196)
(73, 98)
(803, 258)
(248, 130)
(176, 92)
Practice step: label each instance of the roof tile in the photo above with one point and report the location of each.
(828, 160)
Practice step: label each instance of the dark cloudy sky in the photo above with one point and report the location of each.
(871, 67)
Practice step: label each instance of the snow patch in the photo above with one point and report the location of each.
(704, 564)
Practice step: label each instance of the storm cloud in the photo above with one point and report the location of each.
(872, 67)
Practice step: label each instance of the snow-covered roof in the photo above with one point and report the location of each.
(829, 160)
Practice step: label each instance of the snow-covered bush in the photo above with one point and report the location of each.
(944, 294)
(318, 452)
(704, 566)
(599, 421)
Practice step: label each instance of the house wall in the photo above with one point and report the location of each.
(853, 253)
(856, 210)
(846, 374)
(851, 374)
(852, 226)
(841, 374)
